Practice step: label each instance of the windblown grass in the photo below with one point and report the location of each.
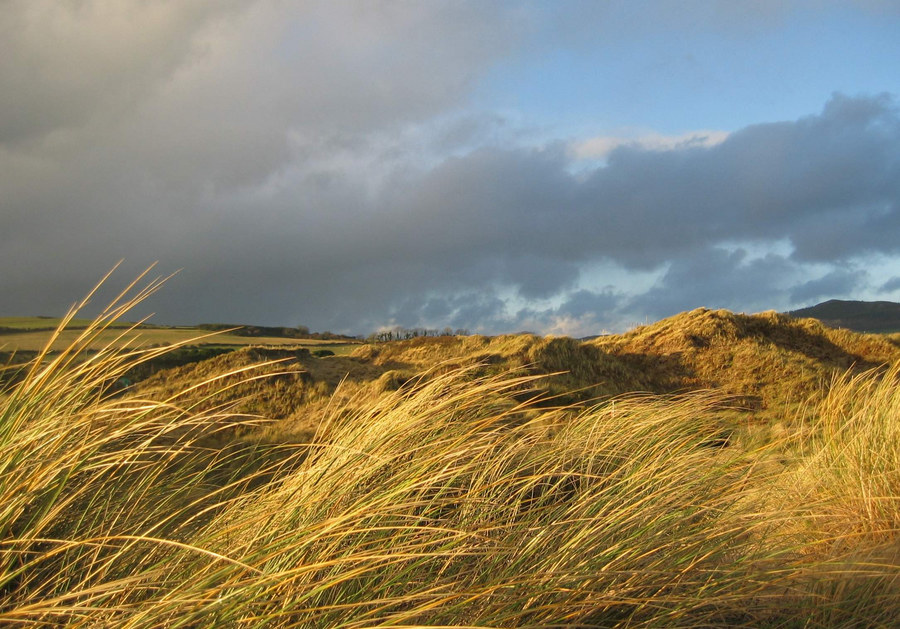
(446, 502)
(847, 492)
(95, 488)
(853, 461)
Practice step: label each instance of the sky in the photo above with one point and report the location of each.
(560, 167)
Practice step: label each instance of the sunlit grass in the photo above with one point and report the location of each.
(853, 458)
(446, 502)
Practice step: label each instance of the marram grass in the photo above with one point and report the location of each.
(444, 503)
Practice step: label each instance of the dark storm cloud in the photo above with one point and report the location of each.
(890, 286)
(320, 167)
(586, 302)
(713, 277)
(828, 183)
(837, 283)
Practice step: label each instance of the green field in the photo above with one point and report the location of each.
(49, 323)
(34, 332)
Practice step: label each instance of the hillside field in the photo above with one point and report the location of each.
(30, 334)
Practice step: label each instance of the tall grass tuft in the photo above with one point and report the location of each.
(853, 461)
(848, 501)
(97, 489)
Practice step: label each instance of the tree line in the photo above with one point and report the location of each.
(399, 333)
(299, 332)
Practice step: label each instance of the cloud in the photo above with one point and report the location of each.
(826, 184)
(837, 283)
(586, 302)
(600, 147)
(316, 242)
(582, 313)
(890, 286)
(73, 64)
(323, 164)
(715, 277)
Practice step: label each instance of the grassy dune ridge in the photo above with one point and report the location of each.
(439, 486)
(769, 368)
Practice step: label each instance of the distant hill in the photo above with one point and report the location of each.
(861, 316)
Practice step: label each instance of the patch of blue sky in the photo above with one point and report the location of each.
(676, 80)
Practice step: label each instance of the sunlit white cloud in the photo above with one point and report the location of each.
(599, 148)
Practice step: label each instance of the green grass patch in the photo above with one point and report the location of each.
(148, 337)
(50, 323)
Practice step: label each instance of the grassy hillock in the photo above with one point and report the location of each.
(431, 482)
(771, 362)
(292, 386)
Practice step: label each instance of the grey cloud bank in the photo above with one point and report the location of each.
(321, 168)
